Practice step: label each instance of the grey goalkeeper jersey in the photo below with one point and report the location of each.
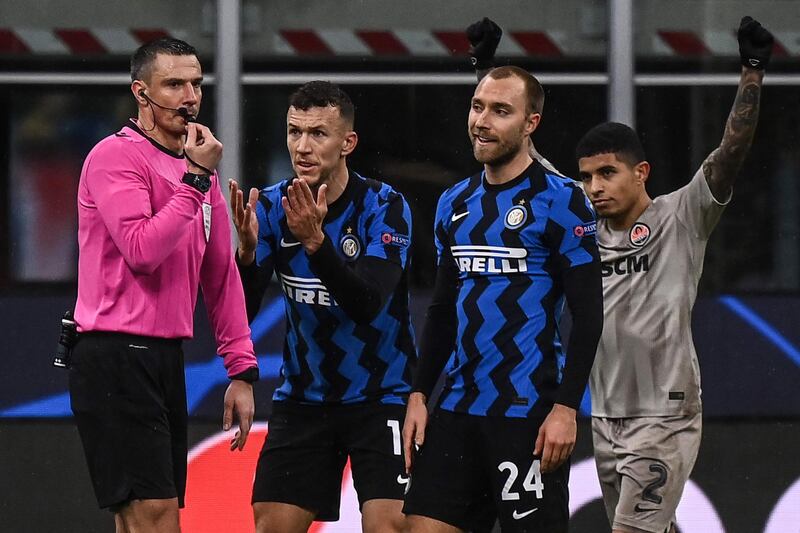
(646, 363)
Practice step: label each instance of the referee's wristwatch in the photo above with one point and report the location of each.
(201, 182)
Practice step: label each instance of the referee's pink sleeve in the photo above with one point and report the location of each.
(222, 291)
(122, 196)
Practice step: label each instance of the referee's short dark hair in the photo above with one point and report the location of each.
(534, 101)
(323, 94)
(611, 138)
(144, 56)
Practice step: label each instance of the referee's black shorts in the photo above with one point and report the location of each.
(128, 395)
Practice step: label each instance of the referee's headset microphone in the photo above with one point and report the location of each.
(182, 111)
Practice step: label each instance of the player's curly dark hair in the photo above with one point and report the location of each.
(612, 138)
(142, 59)
(323, 94)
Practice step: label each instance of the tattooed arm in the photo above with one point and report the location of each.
(722, 166)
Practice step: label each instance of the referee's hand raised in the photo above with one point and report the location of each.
(202, 148)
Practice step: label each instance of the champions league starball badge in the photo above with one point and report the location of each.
(350, 246)
(640, 233)
(515, 217)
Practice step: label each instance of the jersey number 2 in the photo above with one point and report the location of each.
(649, 492)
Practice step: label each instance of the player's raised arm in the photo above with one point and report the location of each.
(723, 164)
(484, 36)
(255, 277)
(245, 221)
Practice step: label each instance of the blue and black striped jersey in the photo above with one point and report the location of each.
(511, 243)
(328, 357)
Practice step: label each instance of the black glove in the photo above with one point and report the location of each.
(484, 36)
(755, 44)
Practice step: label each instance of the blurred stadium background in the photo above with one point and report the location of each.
(669, 68)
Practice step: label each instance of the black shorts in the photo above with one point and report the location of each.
(307, 447)
(472, 470)
(128, 395)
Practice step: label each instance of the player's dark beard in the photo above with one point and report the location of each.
(506, 153)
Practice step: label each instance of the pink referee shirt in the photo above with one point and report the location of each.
(147, 241)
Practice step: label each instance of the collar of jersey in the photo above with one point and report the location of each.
(133, 126)
(511, 183)
(335, 209)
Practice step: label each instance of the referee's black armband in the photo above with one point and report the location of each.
(583, 287)
(250, 375)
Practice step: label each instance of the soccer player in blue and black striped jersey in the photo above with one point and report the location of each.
(338, 243)
(513, 241)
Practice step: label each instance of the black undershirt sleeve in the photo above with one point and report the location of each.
(583, 287)
(439, 333)
(255, 279)
(362, 291)
(250, 375)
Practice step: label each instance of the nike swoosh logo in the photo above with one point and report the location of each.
(285, 244)
(460, 215)
(519, 516)
(404, 481)
(639, 509)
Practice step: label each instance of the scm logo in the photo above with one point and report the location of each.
(626, 265)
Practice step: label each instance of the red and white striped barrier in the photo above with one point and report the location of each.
(77, 41)
(716, 43)
(378, 42)
(293, 42)
(408, 43)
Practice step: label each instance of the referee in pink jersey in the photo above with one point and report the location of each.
(153, 226)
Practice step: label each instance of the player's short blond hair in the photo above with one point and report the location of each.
(534, 101)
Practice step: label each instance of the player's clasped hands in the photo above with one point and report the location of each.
(305, 214)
